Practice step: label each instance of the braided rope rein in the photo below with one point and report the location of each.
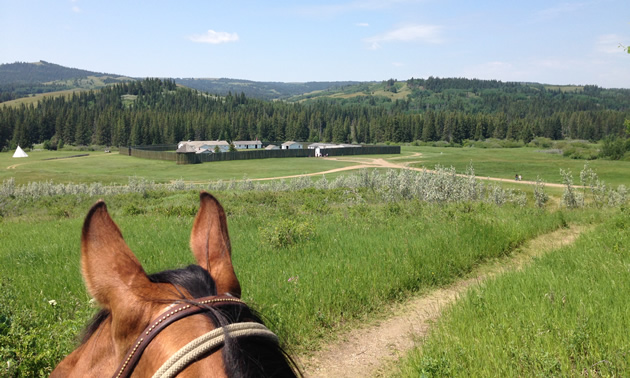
(209, 341)
(170, 316)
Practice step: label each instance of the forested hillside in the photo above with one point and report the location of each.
(21, 79)
(156, 111)
(259, 89)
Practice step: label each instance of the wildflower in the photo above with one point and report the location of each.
(52, 302)
(293, 279)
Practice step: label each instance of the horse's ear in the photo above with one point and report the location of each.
(111, 271)
(210, 244)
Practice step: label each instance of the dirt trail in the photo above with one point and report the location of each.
(363, 163)
(381, 163)
(371, 351)
(14, 166)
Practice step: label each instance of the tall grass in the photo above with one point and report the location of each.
(312, 255)
(528, 162)
(566, 315)
(441, 185)
(310, 261)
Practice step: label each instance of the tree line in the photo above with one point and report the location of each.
(156, 111)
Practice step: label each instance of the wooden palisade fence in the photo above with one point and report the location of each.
(165, 152)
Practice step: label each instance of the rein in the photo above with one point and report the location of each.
(195, 348)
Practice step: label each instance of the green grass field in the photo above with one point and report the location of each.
(312, 261)
(116, 168)
(565, 315)
(528, 162)
(346, 259)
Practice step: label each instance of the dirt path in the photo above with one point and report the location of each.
(372, 350)
(363, 163)
(381, 163)
(14, 166)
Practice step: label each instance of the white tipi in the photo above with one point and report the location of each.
(19, 152)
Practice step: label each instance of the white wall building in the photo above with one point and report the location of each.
(291, 145)
(247, 144)
(203, 146)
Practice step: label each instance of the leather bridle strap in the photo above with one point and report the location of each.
(171, 315)
(210, 341)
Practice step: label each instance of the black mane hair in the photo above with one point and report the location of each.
(248, 357)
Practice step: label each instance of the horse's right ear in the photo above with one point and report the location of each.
(111, 271)
(210, 243)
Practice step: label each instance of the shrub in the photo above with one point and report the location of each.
(441, 143)
(132, 209)
(178, 210)
(597, 188)
(570, 197)
(510, 143)
(285, 233)
(541, 142)
(540, 197)
(613, 148)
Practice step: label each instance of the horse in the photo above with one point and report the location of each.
(187, 322)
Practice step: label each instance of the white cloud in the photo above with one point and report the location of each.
(214, 37)
(397, 64)
(409, 33)
(75, 8)
(362, 24)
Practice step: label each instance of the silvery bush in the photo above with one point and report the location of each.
(440, 185)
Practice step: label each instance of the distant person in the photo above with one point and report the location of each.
(520, 178)
(516, 177)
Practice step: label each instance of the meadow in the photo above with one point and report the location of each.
(113, 168)
(314, 258)
(529, 162)
(565, 315)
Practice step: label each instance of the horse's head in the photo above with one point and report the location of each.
(188, 321)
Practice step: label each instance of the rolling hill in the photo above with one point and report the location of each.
(263, 90)
(18, 80)
(21, 79)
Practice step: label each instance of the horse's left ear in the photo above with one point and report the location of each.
(112, 273)
(210, 243)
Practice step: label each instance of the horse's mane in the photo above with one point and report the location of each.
(245, 357)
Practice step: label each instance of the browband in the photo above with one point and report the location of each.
(169, 316)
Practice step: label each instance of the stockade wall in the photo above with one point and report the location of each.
(158, 152)
(363, 150)
(165, 152)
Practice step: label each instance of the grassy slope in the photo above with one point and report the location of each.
(349, 259)
(528, 162)
(566, 315)
(34, 99)
(364, 89)
(92, 82)
(116, 168)
(347, 240)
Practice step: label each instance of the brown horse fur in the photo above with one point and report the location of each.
(116, 279)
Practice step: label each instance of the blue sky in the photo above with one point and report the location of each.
(555, 42)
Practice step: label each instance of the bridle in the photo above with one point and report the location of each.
(196, 348)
